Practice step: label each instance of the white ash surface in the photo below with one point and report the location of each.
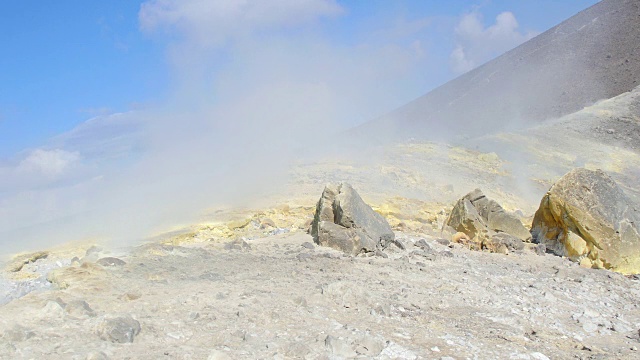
(280, 297)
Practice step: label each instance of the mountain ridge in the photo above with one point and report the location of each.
(591, 56)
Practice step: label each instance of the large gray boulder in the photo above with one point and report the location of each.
(588, 218)
(345, 222)
(481, 219)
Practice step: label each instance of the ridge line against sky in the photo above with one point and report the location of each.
(67, 63)
(120, 118)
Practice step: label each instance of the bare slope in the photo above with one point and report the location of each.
(591, 56)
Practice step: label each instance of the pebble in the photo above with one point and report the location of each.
(122, 329)
(339, 347)
(110, 262)
(539, 356)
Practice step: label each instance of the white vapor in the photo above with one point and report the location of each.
(476, 44)
(48, 162)
(212, 22)
(256, 83)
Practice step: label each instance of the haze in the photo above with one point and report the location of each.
(246, 88)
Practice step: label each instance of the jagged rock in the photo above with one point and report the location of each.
(345, 222)
(20, 261)
(339, 347)
(95, 355)
(585, 215)
(238, 244)
(422, 243)
(85, 275)
(462, 238)
(503, 240)
(480, 218)
(538, 249)
(121, 329)
(267, 223)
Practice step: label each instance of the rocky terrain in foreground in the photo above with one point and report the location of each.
(281, 296)
(251, 289)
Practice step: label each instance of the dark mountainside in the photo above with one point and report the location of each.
(593, 55)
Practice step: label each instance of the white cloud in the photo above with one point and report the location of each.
(48, 162)
(476, 44)
(211, 22)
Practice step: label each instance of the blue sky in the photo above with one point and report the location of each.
(67, 61)
(119, 118)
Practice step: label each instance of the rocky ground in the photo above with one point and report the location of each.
(281, 296)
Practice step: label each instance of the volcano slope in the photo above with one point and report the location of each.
(594, 55)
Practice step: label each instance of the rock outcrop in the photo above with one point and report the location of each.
(345, 222)
(588, 218)
(486, 224)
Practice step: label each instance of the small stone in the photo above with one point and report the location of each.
(538, 356)
(121, 329)
(422, 244)
(381, 254)
(400, 244)
(586, 263)
(382, 310)
(304, 257)
(52, 309)
(194, 315)
(589, 327)
(297, 350)
(300, 301)
(540, 249)
(339, 347)
(93, 250)
(308, 245)
(267, 223)
(95, 355)
(79, 309)
(130, 296)
(238, 244)
(218, 355)
(444, 242)
(110, 262)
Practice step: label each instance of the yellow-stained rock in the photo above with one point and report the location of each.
(88, 276)
(586, 217)
(21, 260)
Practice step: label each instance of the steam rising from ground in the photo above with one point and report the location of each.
(256, 85)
